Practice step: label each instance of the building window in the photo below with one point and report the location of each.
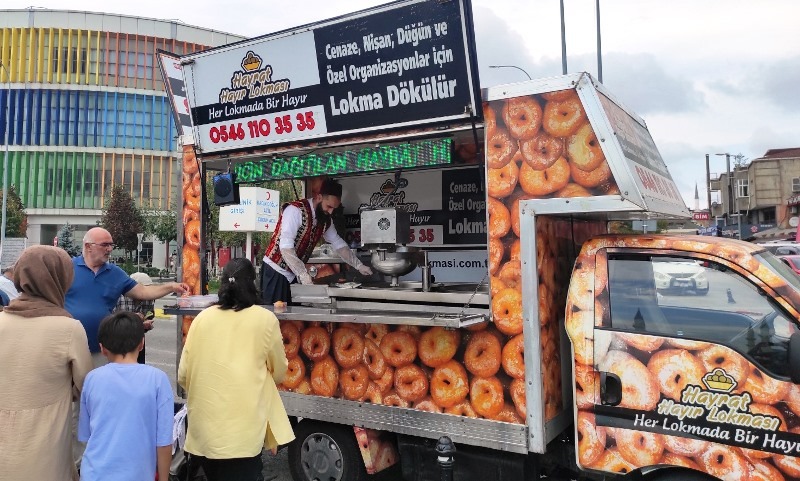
(768, 216)
(742, 188)
(796, 184)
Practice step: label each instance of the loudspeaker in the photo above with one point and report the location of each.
(226, 190)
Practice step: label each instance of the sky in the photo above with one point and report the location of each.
(707, 76)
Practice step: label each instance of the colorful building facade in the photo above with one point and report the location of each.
(83, 108)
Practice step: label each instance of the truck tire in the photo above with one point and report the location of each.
(679, 475)
(325, 451)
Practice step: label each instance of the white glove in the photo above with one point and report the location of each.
(296, 265)
(364, 270)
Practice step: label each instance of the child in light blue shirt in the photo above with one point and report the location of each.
(126, 409)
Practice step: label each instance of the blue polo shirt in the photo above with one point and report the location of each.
(93, 296)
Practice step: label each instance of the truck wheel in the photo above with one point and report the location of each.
(680, 475)
(325, 451)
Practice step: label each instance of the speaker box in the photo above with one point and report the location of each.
(226, 190)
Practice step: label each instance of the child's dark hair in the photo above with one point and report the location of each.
(121, 332)
(237, 289)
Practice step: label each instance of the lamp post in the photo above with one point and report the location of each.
(511, 66)
(5, 162)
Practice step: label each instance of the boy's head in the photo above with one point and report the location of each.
(121, 333)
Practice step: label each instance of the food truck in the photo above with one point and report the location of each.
(501, 312)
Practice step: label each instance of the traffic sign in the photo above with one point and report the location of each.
(257, 211)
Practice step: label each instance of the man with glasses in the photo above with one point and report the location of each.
(94, 294)
(98, 285)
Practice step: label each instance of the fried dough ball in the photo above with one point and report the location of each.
(564, 116)
(438, 345)
(348, 347)
(523, 117)
(449, 385)
(486, 396)
(507, 311)
(583, 149)
(398, 348)
(591, 439)
(483, 354)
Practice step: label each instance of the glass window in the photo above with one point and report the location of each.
(768, 215)
(681, 297)
(742, 189)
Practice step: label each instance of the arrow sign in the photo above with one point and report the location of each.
(257, 211)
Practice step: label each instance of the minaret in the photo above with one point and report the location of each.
(696, 198)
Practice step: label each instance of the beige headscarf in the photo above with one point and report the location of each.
(42, 275)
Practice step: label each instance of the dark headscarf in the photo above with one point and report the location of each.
(42, 275)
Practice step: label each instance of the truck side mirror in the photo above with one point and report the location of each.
(794, 358)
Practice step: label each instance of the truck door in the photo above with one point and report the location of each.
(695, 371)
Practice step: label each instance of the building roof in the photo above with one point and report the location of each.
(776, 233)
(34, 17)
(789, 153)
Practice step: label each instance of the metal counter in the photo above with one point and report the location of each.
(377, 316)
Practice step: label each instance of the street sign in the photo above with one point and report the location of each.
(139, 244)
(700, 215)
(257, 211)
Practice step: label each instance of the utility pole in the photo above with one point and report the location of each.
(708, 184)
(729, 188)
(563, 41)
(599, 50)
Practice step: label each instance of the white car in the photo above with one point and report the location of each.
(680, 276)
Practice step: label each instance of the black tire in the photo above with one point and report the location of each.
(679, 475)
(325, 452)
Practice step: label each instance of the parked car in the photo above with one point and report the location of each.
(793, 261)
(780, 248)
(680, 276)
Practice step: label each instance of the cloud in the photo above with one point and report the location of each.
(778, 82)
(641, 82)
(493, 37)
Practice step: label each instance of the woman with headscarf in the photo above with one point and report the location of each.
(44, 358)
(231, 364)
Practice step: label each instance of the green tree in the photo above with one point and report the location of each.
(16, 219)
(66, 240)
(740, 161)
(162, 224)
(122, 219)
(620, 227)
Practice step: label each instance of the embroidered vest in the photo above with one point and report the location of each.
(306, 239)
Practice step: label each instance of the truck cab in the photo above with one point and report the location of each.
(699, 383)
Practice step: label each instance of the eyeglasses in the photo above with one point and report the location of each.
(105, 245)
